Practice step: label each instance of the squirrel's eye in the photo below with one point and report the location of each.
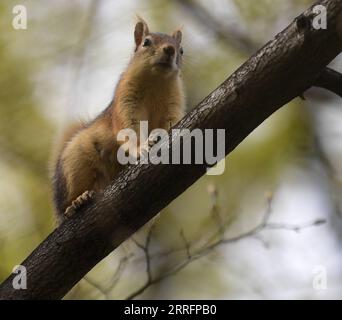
(181, 50)
(147, 42)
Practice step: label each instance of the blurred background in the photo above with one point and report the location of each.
(279, 186)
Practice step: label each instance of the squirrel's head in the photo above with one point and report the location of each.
(161, 53)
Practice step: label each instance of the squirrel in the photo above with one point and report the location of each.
(150, 89)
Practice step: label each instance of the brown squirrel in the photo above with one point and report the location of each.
(150, 89)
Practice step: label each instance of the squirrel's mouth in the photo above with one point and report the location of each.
(165, 64)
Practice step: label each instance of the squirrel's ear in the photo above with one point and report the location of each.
(177, 35)
(140, 31)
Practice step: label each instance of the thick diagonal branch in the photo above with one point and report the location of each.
(280, 71)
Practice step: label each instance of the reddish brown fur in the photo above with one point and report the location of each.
(149, 89)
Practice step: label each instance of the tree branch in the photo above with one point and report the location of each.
(330, 80)
(280, 71)
(233, 36)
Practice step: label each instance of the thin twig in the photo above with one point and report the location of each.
(187, 244)
(96, 286)
(206, 249)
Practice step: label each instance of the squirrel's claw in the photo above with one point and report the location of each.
(81, 200)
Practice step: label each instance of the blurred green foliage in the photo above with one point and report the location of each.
(25, 144)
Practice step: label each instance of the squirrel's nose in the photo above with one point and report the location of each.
(169, 50)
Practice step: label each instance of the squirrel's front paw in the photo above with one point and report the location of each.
(143, 151)
(145, 148)
(81, 200)
(153, 138)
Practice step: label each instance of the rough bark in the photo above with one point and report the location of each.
(282, 70)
